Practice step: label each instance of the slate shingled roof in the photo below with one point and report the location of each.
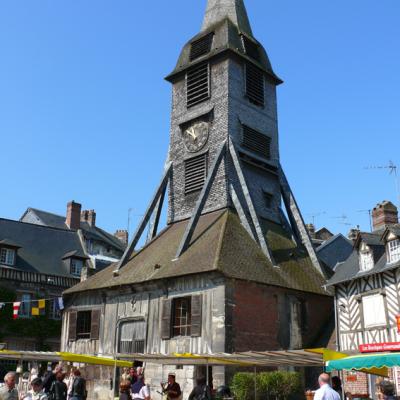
(42, 248)
(90, 232)
(335, 250)
(219, 244)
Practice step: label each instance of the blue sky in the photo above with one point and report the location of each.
(84, 109)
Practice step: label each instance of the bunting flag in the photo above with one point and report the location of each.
(60, 303)
(42, 304)
(2, 305)
(35, 311)
(16, 305)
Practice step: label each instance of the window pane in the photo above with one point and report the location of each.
(132, 337)
(394, 250)
(374, 310)
(182, 316)
(83, 324)
(7, 256)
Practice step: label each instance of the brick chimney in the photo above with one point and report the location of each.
(311, 230)
(384, 214)
(122, 235)
(89, 216)
(73, 219)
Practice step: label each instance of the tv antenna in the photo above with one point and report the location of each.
(369, 212)
(392, 167)
(315, 215)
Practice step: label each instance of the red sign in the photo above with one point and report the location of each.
(377, 347)
(398, 323)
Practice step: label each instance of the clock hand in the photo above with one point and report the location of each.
(192, 133)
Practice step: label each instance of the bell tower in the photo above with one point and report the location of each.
(224, 143)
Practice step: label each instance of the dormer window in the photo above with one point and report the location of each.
(366, 258)
(393, 248)
(76, 267)
(7, 256)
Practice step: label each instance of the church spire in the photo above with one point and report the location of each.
(217, 10)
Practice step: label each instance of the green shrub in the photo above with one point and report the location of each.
(275, 385)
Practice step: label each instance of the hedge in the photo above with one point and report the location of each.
(276, 385)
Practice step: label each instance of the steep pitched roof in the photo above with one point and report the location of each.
(42, 248)
(234, 10)
(92, 232)
(335, 250)
(219, 244)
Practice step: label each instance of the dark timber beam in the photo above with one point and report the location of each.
(157, 214)
(139, 231)
(249, 202)
(297, 219)
(240, 210)
(191, 226)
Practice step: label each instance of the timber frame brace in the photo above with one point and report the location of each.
(241, 203)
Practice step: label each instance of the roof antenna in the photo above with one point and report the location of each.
(392, 167)
(369, 215)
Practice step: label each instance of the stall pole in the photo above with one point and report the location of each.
(255, 383)
(207, 375)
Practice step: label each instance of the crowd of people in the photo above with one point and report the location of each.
(56, 384)
(133, 387)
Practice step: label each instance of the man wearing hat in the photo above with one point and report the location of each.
(173, 390)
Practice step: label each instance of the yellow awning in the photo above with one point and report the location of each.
(62, 356)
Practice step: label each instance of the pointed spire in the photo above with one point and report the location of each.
(217, 10)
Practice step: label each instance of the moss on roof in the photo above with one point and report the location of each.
(221, 244)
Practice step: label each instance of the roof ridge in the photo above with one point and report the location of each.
(39, 226)
(47, 212)
(332, 239)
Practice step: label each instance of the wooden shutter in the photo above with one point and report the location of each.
(255, 84)
(197, 84)
(166, 319)
(256, 142)
(72, 325)
(201, 46)
(196, 315)
(95, 324)
(195, 173)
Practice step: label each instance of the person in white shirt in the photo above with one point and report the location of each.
(325, 392)
(139, 389)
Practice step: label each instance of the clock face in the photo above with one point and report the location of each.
(196, 136)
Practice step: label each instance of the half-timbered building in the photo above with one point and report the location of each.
(235, 268)
(367, 288)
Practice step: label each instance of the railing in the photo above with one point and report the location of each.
(131, 346)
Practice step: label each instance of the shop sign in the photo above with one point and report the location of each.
(378, 347)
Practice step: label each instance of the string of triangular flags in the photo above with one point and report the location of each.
(38, 309)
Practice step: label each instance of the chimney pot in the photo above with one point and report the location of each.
(384, 214)
(122, 235)
(89, 216)
(73, 217)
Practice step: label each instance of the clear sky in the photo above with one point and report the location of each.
(84, 109)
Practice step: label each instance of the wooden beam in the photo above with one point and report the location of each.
(296, 219)
(240, 210)
(156, 219)
(249, 202)
(187, 236)
(139, 231)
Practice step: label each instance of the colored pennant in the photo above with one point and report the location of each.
(35, 311)
(42, 304)
(16, 306)
(2, 305)
(60, 303)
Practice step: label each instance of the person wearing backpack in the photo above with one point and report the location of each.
(201, 391)
(58, 389)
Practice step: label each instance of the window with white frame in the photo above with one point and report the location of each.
(7, 256)
(374, 310)
(366, 258)
(76, 266)
(393, 250)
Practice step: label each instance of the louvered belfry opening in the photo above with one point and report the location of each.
(254, 84)
(197, 84)
(195, 173)
(251, 48)
(257, 142)
(201, 47)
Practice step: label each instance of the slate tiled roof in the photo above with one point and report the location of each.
(90, 232)
(219, 244)
(42, 248)
(350, 269)
(334, 250)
